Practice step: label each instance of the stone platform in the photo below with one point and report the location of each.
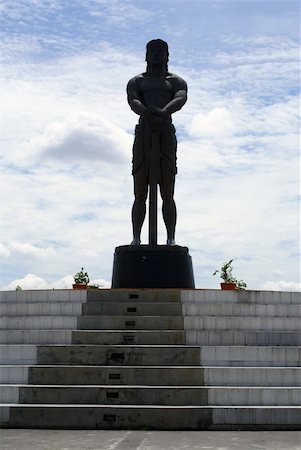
(158, 266)
(161, 359)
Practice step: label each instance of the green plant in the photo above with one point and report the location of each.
(18, 288)
(227, 276)
(81, 277)
(94, 286)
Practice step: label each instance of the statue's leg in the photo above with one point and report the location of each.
(139, 206)
(167, 185)
(169, 209)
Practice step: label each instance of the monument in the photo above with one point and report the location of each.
(154, 95)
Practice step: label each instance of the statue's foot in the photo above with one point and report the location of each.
(136, 241)
(170, 242)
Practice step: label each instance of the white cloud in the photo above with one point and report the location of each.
(30, 250)
(4, 250)
(81, 138)
(216, 124)
(30, 281)
(281, 286)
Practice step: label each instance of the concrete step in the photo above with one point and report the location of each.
(14, 374)
(119, 355)
(126, 308)
(35, 336)
(253, 297)
(242, 337)
(151, 395)
(240, 309)
(38, 322)
(243, 355)
(242, 323)
(37, 296)
(18, 354)
(165, 375)
(137, 337)
(135, 295)
(252, 376)
(151, 354)
(130, 322)
(150, 417)
(41, 309)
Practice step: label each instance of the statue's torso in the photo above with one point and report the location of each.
(156, 91)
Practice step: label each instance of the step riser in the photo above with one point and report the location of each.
(135, 295)
(129, 355)
(133, 308)
(120, 355)
(149, 308)
(38, 323)
(18, 354)
(159, 337)
(242, 323)
(36, 296)
(251, 297)
(156, 295)
(166, 376)
(153, 396)
(13, 374)
(129, 323)
(167, 418)
(239, 337)
(253, 376)
(118, 375)
(35, 336)
(41, 309)
(234, 309)
(250, 356)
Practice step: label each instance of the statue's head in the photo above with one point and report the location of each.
(157, 52)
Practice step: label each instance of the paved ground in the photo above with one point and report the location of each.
(148, 440)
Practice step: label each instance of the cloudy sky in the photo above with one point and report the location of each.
(67, 132)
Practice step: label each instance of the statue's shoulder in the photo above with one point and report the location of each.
(136, 79)
(177, 81)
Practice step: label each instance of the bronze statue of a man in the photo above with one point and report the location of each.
(155, 95)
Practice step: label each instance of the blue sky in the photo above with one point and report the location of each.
(67, 132)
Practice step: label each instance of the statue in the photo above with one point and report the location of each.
(155, 95)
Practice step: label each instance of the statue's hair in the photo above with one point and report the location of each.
(156, 43)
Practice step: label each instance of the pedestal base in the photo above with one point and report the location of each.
(160, 266)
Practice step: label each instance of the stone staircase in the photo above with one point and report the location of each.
(150, 359)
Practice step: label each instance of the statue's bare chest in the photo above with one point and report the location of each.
(156, 90)
(156, 84)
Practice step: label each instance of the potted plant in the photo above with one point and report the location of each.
(81, 280)
(230, 283)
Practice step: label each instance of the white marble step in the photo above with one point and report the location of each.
(38, 296)
(35, 336)
(18, 354)
(247, 355)
(252, 376)
(242, 337)
(41, 309)
(242, 323)
(252, 297)
(178, 395)
(241, 309)
(38, 322)
(155, 417)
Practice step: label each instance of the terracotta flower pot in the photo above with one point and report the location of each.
(79, 286)
(228, 286)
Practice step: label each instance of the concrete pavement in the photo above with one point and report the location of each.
(15, 439)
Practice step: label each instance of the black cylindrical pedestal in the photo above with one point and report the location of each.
(160, 266)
